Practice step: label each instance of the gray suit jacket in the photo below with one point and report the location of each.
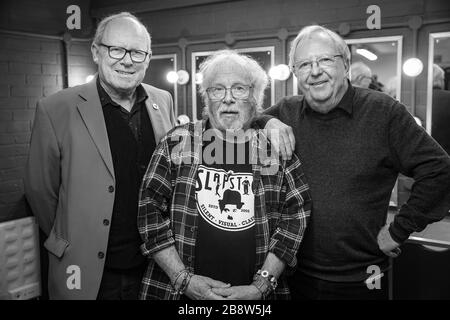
(70, 183)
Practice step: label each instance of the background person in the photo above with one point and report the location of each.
(361, 75)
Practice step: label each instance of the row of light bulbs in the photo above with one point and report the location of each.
(412, 68)
(279, 72)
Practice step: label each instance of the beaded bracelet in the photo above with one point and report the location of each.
(187, 275)
(185, 283)
(178, 274)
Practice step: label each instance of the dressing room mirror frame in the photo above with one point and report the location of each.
(194, 56)
(397, 39)
(174, 68)
(429, 111)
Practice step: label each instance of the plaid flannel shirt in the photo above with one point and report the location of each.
(168, 214)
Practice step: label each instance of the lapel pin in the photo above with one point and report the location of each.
(155, 106)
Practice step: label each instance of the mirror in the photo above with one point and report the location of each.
(438, 93)
(382, 56)
(158, 68)
(376, 63)
(264, 56)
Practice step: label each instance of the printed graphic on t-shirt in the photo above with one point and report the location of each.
(225, 198)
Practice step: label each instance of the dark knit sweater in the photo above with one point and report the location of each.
(351, 157)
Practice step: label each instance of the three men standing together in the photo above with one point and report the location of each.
(91, 146)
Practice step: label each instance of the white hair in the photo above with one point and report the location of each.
(257, 76)
(438, 76)
(359, 70)
(308, 31)
(104, 22)
(391, 87)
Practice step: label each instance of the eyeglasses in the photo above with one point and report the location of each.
(305, 66)
(118, 53)
(238, 91)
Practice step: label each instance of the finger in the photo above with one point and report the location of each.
(391, 254)
(291, 137)
(275, 141)
(224, 292)
(213, 296)
(287, 145)
(216, 283)
(272, 138)
(396, 252)
(282, 147)
(394, 255)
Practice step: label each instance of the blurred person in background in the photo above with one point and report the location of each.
(361, 75)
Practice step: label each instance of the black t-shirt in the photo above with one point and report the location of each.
(225, 246)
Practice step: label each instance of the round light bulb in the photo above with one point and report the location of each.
(273, 72)
(412, 67)
(284, 71)
(279, 72)
(182, 119)
(172, 77)
(183, 77)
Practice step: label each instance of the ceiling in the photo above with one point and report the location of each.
(102, 7)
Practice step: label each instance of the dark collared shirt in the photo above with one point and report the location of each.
(132, 143)
(132, 117)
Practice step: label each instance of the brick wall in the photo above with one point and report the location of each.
(30, 68)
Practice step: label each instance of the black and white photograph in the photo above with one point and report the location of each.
(247, 151)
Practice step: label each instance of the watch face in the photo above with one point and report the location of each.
(274, 283)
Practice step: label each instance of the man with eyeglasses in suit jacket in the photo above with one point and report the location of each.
(89, 150)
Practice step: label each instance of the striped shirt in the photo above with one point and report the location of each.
(168, 214)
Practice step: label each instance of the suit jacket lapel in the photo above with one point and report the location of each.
(155, 117)
(92, 114)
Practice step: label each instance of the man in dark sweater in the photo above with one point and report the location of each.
(353, 143)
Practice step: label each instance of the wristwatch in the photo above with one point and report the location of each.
(268, 277)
